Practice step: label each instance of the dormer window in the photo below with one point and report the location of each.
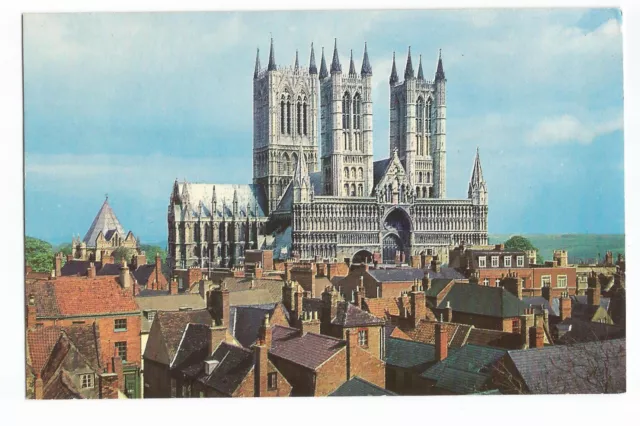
(507, 261)
(520, 261)
(482, 262)
(495, 261)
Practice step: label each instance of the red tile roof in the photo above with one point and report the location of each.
(78, 296)
(425, 332)
(40, 343)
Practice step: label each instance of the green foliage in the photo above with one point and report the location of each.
(122, 253)
(518, 242)
(38, 254)
(151, 250)
(65, 248)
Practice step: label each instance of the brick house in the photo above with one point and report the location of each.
(64, 363)
(108, 301)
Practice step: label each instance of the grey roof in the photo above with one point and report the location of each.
(482, 300)
(583, 300)
(104, 221)
(245, 321)
(78, 267)
(396, 274)
(379, 169)
(109, 269)
(420, 72)
(316, 182)
(538, 303)
(393, 78)
(466, 369)
(349, 315)
(445, 273)
(576, 368)
(366, 65)
(359, 387)
(143, 273)
(578, 330)
(234, 365)
(249, 196)
(194, 345)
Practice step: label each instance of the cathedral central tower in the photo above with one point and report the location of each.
(285, 116)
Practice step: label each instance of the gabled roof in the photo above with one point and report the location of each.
(573, 368)
(74, 296)
(104, 221)
(379, 169)
(466, 369)
(349, 315)
(425, 332)
(167, 302)
(247, 320)
(193, 346)
(396, 274)
(494, 338)
(356, 386)
(580, 306)
(167, 331)
(394, 168)
(538, 303)
(482, 300)
(234, 363)
(385, 307)
(310, 350)
(274, 287)
(577, 330)
(144, 272)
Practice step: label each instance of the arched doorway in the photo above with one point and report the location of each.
(391, 244)
(362, 256)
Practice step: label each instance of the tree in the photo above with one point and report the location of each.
(66, 249)
(122, 253)
(518, 242)
(38, 254)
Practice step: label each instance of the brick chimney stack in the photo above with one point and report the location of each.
(593, 295)
(38, 387)
(352, 344)
(116, 362)
(287, 271)
(330, 301)
(31, 312)
(108, 384)
(218, 305)
(435, 264)
(536, 337)
(565, 306)
(448, 312)
(441, 342)
(125, 277)
(512, 284)
(158, 267)
(173, 287)
(91, 271)
(359, 293)
(418, 304)
(546, 293)
(266, 332)
(58, 264)
(260, 370)
(426, 282)
(298, 301)
(69, 257)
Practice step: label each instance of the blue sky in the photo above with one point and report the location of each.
(125, 103)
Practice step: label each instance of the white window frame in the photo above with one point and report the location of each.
(560, 278)
(363, 339)
(542, 278)
(482, 261)
(485, 282)
(520, 261)
(507, 261)
(495, 261)
(90, 382)
(497, 282)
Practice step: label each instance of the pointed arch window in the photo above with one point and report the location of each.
(360, 173)
(346, 111)
(346, 173)
(429, 113)
(299, 116)
(357, 105)
(353, 189)
(420, 126)
(304, 116)
(346, 189)
(288, 114)
(360, 190)
(282, 115)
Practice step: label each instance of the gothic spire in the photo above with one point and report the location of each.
(477, 180)
(302, 172)
(257, 70)
(440, 70)
(352, 67)
(366, 65)
(235, 202)
(420, 73)
(312, 62)
(272, 58)
(335, 63)
(296, 66)
(323, 67)
(408, 69)
(393, 79)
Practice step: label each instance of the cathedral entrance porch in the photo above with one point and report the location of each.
(392, 248)
(362, 256)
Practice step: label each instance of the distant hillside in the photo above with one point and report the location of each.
(579, 246)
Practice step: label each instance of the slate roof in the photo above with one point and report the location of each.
(483, 300)
(162, 347)
(425, 332)
(494, 338)
(234, 365)
(349, 315)
(464, 370)
(246, 321)
(379, 169)
(61, 387)
(396, 274)
(249, 196)
(578, 330)
(143, 273)
(166, 302)
(274, 287)
(409, 354)
(104, 221)
(359, 387)
(193, 346)
(562, 369)
(79, 268)
(538, 303)
(437, 285)
(580, 306)
(109, 269)
(310, 350)
(445, 273)
(71, 296)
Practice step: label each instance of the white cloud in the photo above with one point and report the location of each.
(569, 129)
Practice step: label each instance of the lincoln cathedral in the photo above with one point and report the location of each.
(317, 192)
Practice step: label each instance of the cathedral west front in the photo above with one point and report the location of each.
(316, 190)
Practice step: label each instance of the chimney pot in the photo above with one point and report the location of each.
(441, 342)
